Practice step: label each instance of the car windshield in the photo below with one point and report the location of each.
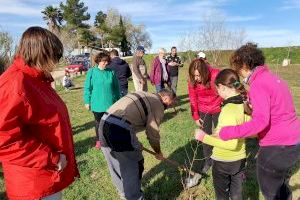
(76, 63)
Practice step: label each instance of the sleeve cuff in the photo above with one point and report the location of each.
(54, 158)
(196, 117)
(223, 135)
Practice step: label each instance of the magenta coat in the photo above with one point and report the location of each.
(156, 72)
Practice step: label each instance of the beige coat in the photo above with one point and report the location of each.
(130, 108)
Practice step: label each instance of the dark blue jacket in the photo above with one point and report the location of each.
(122, 71)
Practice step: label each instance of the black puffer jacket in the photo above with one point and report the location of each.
(122, 70)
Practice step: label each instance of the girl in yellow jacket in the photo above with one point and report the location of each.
(229, 157)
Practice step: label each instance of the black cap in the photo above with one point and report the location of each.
(140, 48)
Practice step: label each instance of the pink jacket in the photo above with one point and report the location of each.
(204, 99)
(274, 117)
(157, 71)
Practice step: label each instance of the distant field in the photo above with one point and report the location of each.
(160, 181)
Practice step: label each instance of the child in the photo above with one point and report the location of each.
(228, 157)
(67, 82)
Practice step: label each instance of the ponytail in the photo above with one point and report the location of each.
(230, 78)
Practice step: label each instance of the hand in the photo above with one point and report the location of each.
(199, 134)
(62, 163)
(87, 106)
(142, 81)
(172, 63)
(159, 156)
(141, 146)
(199, 123)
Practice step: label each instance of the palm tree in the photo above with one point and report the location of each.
(54, 18)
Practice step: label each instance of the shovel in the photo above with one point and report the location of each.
(193, 178)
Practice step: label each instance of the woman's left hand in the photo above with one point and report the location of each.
(62, 163)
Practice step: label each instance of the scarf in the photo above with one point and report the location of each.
(163, 64)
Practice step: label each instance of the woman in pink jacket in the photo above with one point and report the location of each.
(204, 100)
(159, 73)
(274, 120)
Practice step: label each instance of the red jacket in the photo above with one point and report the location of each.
(34, 129)
(204, 99)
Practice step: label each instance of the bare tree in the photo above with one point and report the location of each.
(187, 44)
(69, 40)
(213, 37)
(139, 36)
(6, 50)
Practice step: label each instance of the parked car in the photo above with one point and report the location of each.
(77, 66)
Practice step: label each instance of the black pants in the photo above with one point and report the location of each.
(273, 165)
(228, 179)
(97, 116)
(209, 120)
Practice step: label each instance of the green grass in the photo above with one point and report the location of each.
(160, 181)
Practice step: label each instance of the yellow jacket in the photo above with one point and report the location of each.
(231, 150)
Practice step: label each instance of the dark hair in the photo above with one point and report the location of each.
(174, 48)
(248, 55)
(40, 48)
(102, 56)
(167, 92)
(202, 67)
(114, 52)
(231, 79)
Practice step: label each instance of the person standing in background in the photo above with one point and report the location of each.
(121, 69)
(101, 90)
(173, 62)
(159, 74)
(139, 70)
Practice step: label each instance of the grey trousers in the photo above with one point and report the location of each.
(55, 196)
(174, 81)
(126, 170)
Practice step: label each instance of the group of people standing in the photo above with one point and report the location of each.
(164, 70)
(36, 142)
(266, 111)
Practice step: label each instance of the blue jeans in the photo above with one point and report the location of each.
(159, 86)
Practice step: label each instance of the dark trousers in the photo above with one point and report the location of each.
(209, 120)
(123, 90)
(97, 116)
(228, 179)
(273, 165)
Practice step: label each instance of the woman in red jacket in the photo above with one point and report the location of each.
(204, 100)
(36, 144)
